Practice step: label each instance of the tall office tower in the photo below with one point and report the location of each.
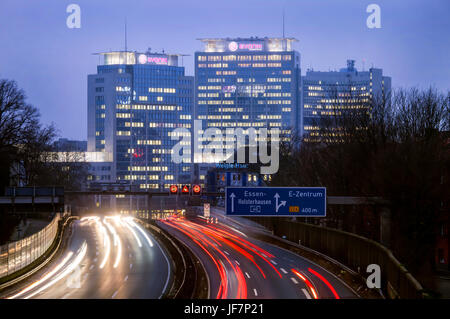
(135, 101)
(327, 94)
(248, 82)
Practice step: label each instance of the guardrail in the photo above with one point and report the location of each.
(19, 254)
(354, 251)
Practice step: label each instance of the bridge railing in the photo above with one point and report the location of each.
(356, 252)
(19, 254)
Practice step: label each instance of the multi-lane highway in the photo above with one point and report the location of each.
(239, 266)
(115, 257)
(108, 257)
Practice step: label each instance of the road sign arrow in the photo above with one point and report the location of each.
(232, 196)
(283, 202)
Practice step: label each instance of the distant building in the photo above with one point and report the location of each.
(325, 94)
(248, 82)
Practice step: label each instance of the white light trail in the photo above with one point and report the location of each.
(117, 242)
(127, 224)
(106, 244)
(76, 262)
(43, 279)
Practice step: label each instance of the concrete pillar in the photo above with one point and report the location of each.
(385, 226)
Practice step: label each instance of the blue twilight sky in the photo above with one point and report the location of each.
(51, 62)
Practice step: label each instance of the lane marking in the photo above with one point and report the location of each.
(294, 281)
(248, 276)
(237, 262)
(226, 252)
(126, 278)
(96, 254)
(273, 262)
(65, 296)
(256, 293)
(92, 266)
(131, 266)
(283, 270)
(308, 296)
(114, 294)
(95, 260)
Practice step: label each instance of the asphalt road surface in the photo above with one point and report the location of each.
(240, 267)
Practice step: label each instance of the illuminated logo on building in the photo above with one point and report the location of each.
(144, 59)
(229, 89)
(251, 46)
(233, 46)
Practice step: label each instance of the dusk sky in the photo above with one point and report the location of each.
(51, 62)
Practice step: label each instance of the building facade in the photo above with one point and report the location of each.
(326, 94)
(135, 101)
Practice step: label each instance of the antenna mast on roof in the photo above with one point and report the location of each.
(283, 23)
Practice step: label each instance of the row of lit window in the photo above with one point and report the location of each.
(141, 177)
(216, 102)
(242, 124)
(225, 72)
(148, 142)
(278, 79)
(149, 107)
(134, 124)
(148, 168)
(123, 89)
(162, 90)
(270, 57)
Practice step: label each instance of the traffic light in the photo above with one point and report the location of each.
(173, 189)
(185, 190)
(196, 190)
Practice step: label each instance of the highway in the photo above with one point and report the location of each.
(108, 257)
(240, 267)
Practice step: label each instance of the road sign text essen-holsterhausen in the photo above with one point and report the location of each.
(276, 201)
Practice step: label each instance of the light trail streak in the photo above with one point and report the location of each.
(79, 257)
(126, 223)
(208, 237)
(307, 282)
(106, 244)
(117, 243)
(44, 278)
(142, 232)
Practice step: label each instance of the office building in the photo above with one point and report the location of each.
(135, 101)
(327, 94)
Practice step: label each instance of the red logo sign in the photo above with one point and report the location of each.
(173, 189)
(196, 189)
(185, 189)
